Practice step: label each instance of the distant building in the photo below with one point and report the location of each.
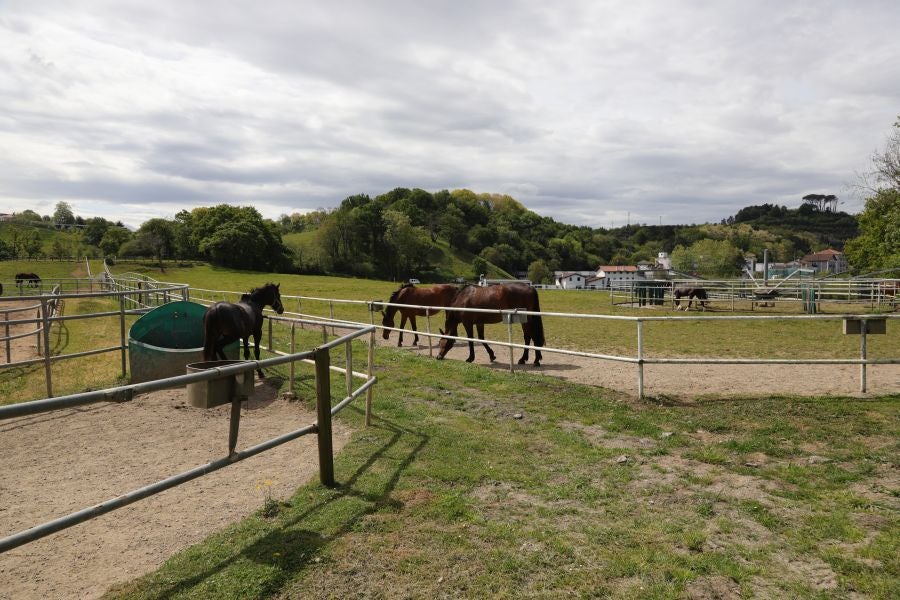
(826, 261)
(613, 275)
(663, 261)
(572, 280)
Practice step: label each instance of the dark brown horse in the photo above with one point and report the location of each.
(225, 322)
(436, 295)
(694, 293)
(27, 279)
(507, 296)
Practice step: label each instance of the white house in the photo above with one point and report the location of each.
(614, 275)
(572, 280)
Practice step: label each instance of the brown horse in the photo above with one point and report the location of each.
(507, 296)
(691, 294)
(436, 295)
(225, 322)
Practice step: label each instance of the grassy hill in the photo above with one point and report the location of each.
(44, 238)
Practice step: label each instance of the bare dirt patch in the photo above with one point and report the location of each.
(689, 381)
(20, 348)
(59, 462)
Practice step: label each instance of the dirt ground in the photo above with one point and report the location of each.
(690, 381)
(57, 463)
(61, 462)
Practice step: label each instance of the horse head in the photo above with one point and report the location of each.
(452, 325)
(388, 312)
(387, 321)
(276, 297)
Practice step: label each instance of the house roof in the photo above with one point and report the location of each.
(824, 255)
(617, 268)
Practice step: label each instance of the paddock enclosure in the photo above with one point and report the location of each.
(636, 349)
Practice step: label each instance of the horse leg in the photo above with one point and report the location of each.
(526, 333)
(412, 321)
(490, 352)
(256, 337)
(400, 333)
(468, 328)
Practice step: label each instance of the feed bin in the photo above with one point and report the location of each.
(165, 340)
(208, 394)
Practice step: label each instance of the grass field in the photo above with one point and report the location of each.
(476, 483)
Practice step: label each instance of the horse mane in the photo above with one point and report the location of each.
(396, 293)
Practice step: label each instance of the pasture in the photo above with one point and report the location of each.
(472, 482)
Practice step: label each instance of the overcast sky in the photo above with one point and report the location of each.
(590, 112)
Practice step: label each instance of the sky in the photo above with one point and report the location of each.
(592, 112)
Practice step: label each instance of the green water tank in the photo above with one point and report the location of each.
(165, 340)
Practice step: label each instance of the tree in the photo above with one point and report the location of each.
(822, 202)
(878, 245)
(158, 236)
(94, 229)
(238, 237)
(715, 258)
(63, 216)
(887, 161)
(539, 272)
(479, 267)
(113, 239)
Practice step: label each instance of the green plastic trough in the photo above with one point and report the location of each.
(168, 338)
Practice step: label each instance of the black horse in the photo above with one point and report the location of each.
(27, 279)
(694, 293)
(507, 296)
(225, 322)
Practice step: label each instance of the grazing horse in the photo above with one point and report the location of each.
(691, 294)
(436, 295)
(506, 296)
(27, 279)
(225, 322)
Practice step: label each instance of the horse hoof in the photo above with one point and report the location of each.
(537, 363)
(439, 357)
(521, 361)
(470, 360)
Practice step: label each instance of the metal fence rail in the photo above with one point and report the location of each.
(319, 356)
(48, 315)
(741, 294)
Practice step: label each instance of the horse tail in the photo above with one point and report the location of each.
(210, 335)
(537, 323)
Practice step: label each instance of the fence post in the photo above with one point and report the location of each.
(331, 315)
(323, 410)
(8, 348)
(369, 369)
(640, 357)
(122, 331)
(428, 330)
(45, 318)
(863, 326)
(349, 365)
(509, 338)
(293, 362)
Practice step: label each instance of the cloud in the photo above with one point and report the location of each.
(584, 111)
